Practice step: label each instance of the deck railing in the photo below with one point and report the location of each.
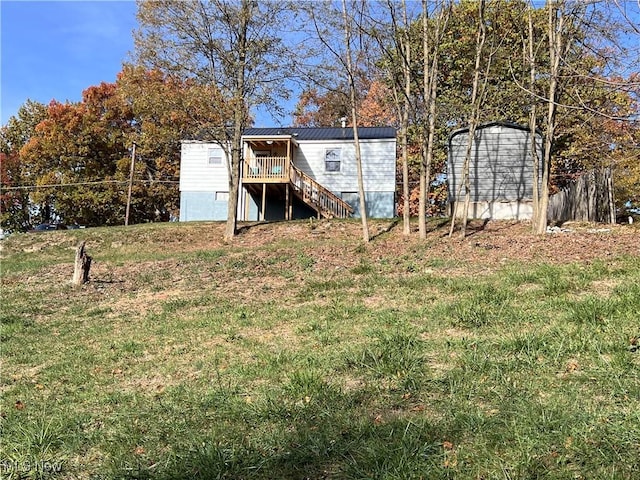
(281, 170)
(266, 170)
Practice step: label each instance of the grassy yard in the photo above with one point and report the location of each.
(296, 352)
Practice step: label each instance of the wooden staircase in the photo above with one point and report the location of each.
(323, 201)
(280, 170)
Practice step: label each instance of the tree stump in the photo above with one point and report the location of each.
(82, 266)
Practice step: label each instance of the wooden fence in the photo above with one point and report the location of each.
(588, 199)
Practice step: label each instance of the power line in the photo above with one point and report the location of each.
(99, 182)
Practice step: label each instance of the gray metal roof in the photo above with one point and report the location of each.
(512, 125)
(313, 133)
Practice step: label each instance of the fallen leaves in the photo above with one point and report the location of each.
(572, 366)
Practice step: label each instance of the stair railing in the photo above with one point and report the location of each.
(323, 200)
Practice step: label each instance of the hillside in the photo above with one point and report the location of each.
(297, 352)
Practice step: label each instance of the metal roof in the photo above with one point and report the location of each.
(482, 126)
(317, 133)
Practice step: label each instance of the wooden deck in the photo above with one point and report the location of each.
(266, 170)
(280, 170)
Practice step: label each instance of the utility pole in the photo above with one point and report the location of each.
(133, 162)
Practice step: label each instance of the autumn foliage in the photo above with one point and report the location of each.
(70, 162)
(73, 159)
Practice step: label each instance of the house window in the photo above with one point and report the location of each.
(215, 157)
(222, 196)
(332, 158)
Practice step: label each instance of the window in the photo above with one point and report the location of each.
(215, 157)
(222, 196)
(332, 159)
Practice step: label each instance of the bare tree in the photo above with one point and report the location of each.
(324, 18)
(558, 38)
(430, 52)
(235, 47)
(405, 110)
(477, 95)
(533, 112)
(391, 32)
(350, 72)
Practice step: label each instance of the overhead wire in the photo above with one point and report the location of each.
(99, 182)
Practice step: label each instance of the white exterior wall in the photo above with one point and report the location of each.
(196, 175)
(378, 164)
(200, 181)
(202, 186)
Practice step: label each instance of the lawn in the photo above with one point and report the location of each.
(297, 352)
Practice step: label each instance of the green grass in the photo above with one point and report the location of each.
(312, 358)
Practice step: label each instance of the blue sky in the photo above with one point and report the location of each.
(56, 49)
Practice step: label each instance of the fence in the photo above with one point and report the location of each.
(588, 199)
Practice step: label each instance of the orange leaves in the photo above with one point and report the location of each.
(450, 455)
(376, 109)
(436, 198)
(315, 109)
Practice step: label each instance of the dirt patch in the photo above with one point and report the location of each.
(272, 261)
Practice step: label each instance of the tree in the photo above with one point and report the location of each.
(14, 202)
(349, 71)
(315, 109)
(234, 48)
(78, 156)
(477, 95)
(389, 26)
(166, 110)
(19, 129)
(336, 31)
(400, 72)
(430, 55)
(326, 110)
(14, 174)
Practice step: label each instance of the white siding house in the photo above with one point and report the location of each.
(292, 173)
(204, 184)
(500, 171)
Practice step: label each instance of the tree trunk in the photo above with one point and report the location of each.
(406, 192)
(474, 118)
(234, 181)
(354, 120)
(239, 121)
(533, 123)
(430, 85)
(406, 72)
(556, 26)
(424, 167)
(82, 266)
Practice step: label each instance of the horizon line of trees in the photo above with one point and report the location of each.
(570, 69)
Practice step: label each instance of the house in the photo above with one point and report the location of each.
(289, 173)
(500, 171)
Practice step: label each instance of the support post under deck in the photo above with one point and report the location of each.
(287, 203)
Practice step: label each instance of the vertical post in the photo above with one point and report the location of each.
(290, 205)
(133, 162)
(264, 200)
(287, 200)
(289, 160)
